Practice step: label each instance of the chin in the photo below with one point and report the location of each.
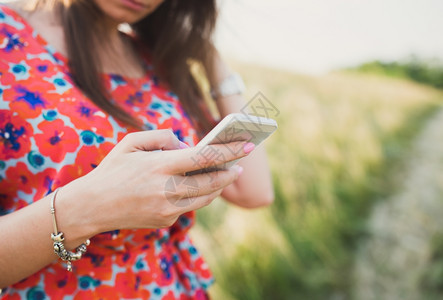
(127, 18)
(122, 12)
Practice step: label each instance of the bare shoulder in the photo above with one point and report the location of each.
(43, 20)
(19, 6)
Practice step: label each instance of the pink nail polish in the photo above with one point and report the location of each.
(248, 147)
(183, 145)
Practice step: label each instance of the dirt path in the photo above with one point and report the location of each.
(394, 257)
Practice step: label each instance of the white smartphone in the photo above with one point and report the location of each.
(234, 127)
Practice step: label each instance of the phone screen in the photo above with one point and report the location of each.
(235, 129)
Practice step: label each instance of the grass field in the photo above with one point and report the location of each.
(339, 137)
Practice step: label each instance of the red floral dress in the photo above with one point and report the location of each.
(51, 134)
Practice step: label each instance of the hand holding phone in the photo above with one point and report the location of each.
(235, 127)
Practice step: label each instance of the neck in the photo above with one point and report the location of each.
(108, 38)
(116, 52)
(110, 29)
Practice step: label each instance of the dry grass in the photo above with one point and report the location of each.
(336, 137)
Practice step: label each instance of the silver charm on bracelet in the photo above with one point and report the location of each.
(58, 239)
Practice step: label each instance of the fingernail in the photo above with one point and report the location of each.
(239, 170)
(248, 147)
(183, 145)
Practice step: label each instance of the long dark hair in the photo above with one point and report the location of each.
(175, 33)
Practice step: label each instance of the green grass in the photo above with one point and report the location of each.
(339, 137)
(428, 72)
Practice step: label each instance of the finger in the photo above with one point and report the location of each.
(180, 187)
(197, 158)
(193, 203)
(149, 140)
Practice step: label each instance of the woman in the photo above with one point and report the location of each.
(76, 159)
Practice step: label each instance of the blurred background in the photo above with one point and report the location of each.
(357, 159)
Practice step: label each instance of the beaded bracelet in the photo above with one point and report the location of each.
(57, 238)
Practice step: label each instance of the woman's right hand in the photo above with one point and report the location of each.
(127, 189)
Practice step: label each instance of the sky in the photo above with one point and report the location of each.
(316, 36)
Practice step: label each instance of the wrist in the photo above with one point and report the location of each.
(229, 86)
(221, 69)
(73, 214)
